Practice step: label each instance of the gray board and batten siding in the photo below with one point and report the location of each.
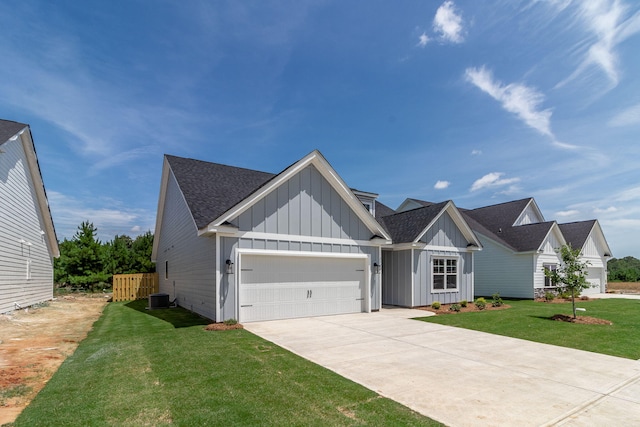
(407, 273)
(26, 263)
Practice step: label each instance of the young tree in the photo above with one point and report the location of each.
(571, 275)
(84, 266)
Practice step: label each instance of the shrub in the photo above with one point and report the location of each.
(463, 303)
(454, 307)
(435, 305)
(549, 296)
(565, 294)
(584, 298)
(481, 303)
(230, 322)
(496, 300)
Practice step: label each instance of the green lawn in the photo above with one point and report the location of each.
(157, 368)
(531, 321)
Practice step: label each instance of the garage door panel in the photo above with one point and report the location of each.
(594, 278)
(279, 287)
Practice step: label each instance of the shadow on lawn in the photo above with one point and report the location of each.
(178, 317)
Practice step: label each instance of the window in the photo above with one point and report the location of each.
(547, 280)
(166, 269)
(444, 274)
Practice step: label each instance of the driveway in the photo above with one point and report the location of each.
(465, 378)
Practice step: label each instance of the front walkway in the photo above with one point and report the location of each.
(462, 377)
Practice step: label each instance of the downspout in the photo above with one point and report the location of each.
(218, 277)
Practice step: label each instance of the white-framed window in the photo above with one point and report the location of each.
(548, 283)
(444, 274)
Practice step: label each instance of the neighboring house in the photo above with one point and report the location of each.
(233, 243)
(518, 244)
(432, 255)
(28, 240)
(589, 238)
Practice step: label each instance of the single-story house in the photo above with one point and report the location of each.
(518, 245)
(234, 243)
(28, 242)
(432, 255)
(589, 238)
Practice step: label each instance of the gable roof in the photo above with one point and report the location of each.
(383, 210)
(216, 193)
(409, 226)
(577, 233)
(10, 129)
(410, 203)
(210, 189)
(496, 222)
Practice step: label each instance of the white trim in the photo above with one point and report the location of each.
(218, 280)
(302, 239)
(537, 210)
(238, 269)
(458, 265)
(458, 220)
(227, 230)
(449, 249)
(413, 278)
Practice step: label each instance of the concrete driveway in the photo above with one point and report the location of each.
(465, 378)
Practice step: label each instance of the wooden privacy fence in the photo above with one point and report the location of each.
(127, 287)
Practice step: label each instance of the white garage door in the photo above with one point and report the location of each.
(282, 287)
(595, 280)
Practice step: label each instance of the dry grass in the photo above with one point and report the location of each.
(620, 287)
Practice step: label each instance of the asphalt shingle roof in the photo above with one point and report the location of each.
(406, 226)
(210, 189)
(576, 233)
(496, 222)
(8, 129)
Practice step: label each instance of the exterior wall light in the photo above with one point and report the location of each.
(377, 268)
(229, 266)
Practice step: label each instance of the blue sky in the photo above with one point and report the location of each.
(478, 102)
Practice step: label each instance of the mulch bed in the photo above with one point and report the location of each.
(222, 327)
(583, 320)
(471, 307)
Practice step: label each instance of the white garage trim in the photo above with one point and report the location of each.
(364, 258)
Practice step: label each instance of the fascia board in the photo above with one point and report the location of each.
(43, 203)
(326, 171)
(160, 211)
(601, 236)
(532, 203)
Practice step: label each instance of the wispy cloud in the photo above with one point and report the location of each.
(476, 152)
(448, 23)
(608, 25)
(70, 211)
(610, 209)
(630, 116)
(423, 40)
(518, 99)
(567, 213)
(492, 180)
(441, 185)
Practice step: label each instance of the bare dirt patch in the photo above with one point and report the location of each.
(471, 307)
(222, 327)
(33, 344)
(583, 320)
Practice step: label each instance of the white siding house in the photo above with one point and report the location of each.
(249, 245)
(28, 241)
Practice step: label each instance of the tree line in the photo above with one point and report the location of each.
(625, 269)
(87, 263)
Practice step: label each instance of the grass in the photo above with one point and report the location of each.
(531, 321)
(160, 368)
(13, 391)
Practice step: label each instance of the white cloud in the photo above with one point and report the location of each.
(630, 116)
(610, 209)
(476, 152)
(448, 23)
(69, 212)
(567, 213)
(423, 40)
(492, 179)
(608, 25)
(518, 99)
(441, 185)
